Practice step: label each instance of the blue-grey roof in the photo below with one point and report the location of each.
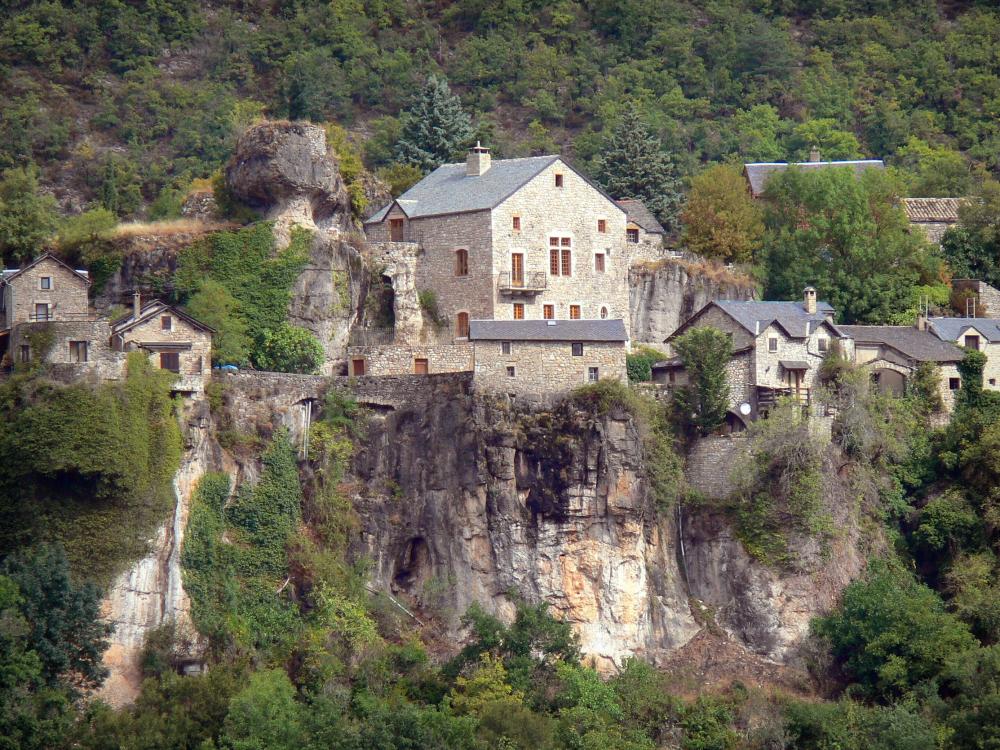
(791, 316)
(760, 172)
(949, 329)
(912, 343)
(547, 330)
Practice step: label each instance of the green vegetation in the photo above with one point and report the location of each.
(720, 218)
(640, 362)
(435, 129)
(700, 405)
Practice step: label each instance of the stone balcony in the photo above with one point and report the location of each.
(532, 283)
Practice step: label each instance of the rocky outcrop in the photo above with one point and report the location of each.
(664, 294)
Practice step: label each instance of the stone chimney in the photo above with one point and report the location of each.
(921, 322)
(814, 154)
(809, 300)
(136, 304)
(478, 161)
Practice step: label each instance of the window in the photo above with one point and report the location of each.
(593, 375)
(574, 312)
(45, 282)
(602, 226)
(517, 269)
(560, 256)
(632, 235)
(77, 351)
(518, 311)
(993, 381)
(823, 344)
(554, 261)
(567, 262)
(511, 372)
(599, 262)
(972, 342)
(166, 323)
(420, 366)
(42, 311)
(954, 384)
(559, 180)
(604, 312)
(517, 223)
(170, 361)
(577, 350)
(462, 325)
(358, 367)
(462, 262)
(25, 353)
(505, 347)
(395, 230)
(772, 344)
(549, 312)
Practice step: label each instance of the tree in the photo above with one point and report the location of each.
(435, 128)
(265, 715)
(214, 306)
(936, 171)
(84, 236)
(702, 403)
(720, 219)
(972, 248)
(848, 237)
(288, 348)
(27, 217)
(634, 165)
(833, 144)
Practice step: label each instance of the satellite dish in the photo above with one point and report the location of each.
(745, 409)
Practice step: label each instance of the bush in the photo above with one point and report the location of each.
(639, 364)
(289, 349)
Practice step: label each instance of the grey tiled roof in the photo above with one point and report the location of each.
(637, 213)
(932, 210)
(150, 310)
(792, 316)
(11, 273)
(949, 329)
(547, 330)
(759, 173)
(794, 364)
(915, 344)
(448, 190)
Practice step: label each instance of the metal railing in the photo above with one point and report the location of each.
(536, 281)
(768, 397)
(58, 317)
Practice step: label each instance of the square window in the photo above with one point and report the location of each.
(170, 361)
(993, 381)
(77, 351)
(823, 343)
(602, 226)
(593, 375)
(632, 235)
(166, 323)
(421, 366)
(511, 371)
(45, 282)
(574, 312)
(772, 344)
(578, 350)
(358, 367)
(549, 312)
(559, 180)
(518, 311)
(954, 384)
(599, 262)
(505, 347)
(517, 223)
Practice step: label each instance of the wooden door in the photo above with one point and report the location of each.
(358, 367)
(517, 269)
(420, 367)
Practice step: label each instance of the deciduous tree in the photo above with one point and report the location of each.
(720, 219)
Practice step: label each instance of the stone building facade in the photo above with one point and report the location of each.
(987, 297)
(45, 290)
(932, 217)
(80, 345)
(416, 359)
(982, 334)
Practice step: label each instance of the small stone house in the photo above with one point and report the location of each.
(758, 173)
(982, 334)
(172, 339)
(546, 357)
(641, 226)
(932, 216)
(777, 350)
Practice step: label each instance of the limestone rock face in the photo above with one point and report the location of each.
(664, 294)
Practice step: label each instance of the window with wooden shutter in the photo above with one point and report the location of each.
(574, 312)
(462, 325)
(518, 311)
(517, 269)
(599, 262)
(170, 361)
(554, 261)
(567, 262)
(602, 226)
(421, 366)
(517, 223)
(549, 312)
(462, 262)
(395, 230)
(358, 367)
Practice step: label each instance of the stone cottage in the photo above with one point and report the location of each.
(932, 216)
(546, 356)
(758, 173)
(981, 334)
(172, 339)
(777, 351)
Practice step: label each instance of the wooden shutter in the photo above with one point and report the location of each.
(358, 367)
(170, 361)
(518, 311)
(420, 367)
(517, 269)
(554, 262)
(396, 230)
(462, 262)
(549, 312)
(462, 325)
(599, 262)
(566, 263)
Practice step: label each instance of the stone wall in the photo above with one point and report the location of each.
(710, 463)
(195, 363)
(989, 296)
(102, 362)
(399, 359)
(545, 367)
(67, 297)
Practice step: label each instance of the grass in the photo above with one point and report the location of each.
(167, 228)
(714, 270)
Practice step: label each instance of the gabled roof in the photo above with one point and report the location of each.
(637, 213)
(150, 310)
(547, 330)
(11, 274)
(758, 173)
(932, 210)
(949, 329)
(912, 343)
(449, 190)
(756, 316)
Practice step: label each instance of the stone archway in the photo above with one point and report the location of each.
(734, 422)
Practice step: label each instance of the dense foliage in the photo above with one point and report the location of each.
(700, 404)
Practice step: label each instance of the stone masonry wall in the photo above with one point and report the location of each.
(545, 367)
(67, 297)
(710, 462)
(102, 362)
(195, 363)
(398, 359)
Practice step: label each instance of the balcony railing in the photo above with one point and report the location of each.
(65, 317)
(768, 397)
(531, 283)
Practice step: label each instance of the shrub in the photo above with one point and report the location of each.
(639, 364)
(289, 349)
(701, 405)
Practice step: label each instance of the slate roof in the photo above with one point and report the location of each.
(759, 173)
(637, 213)
(949, 329)
(793, 364)
(911, 342)
(932, 210)
(12, 273)
(755, 316)
(151, 309)
(547, 330)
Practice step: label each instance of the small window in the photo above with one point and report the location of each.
(993, 381)
(41, 311)
(170, 361)
(602, 226)
(604, 313)
(421, 366)
(462, 325)
(395, 230)
(518, 311)
(567, 263)
(574, 312)
(972, 342)
(25, 353)
(517, 223)
(45, 282)
(549, 312)
(358, 367)
(77, 351)
(505, 347)
(593, 375)
(511, 372)
(578, 350)
(823, 344)
(599, 262)
(632, 235)
(166, 323)
(954, 384)
(559, 180)
(462, 262)
(772, 344)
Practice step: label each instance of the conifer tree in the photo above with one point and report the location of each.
(633, 164)
(435, 128)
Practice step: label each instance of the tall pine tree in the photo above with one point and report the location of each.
(435, 128)
(633, 164)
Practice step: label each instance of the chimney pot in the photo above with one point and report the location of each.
(814, 154)
(921, 322)
(477, 162)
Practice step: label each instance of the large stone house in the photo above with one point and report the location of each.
(757, 174)
(982, 334)
(777, 351)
